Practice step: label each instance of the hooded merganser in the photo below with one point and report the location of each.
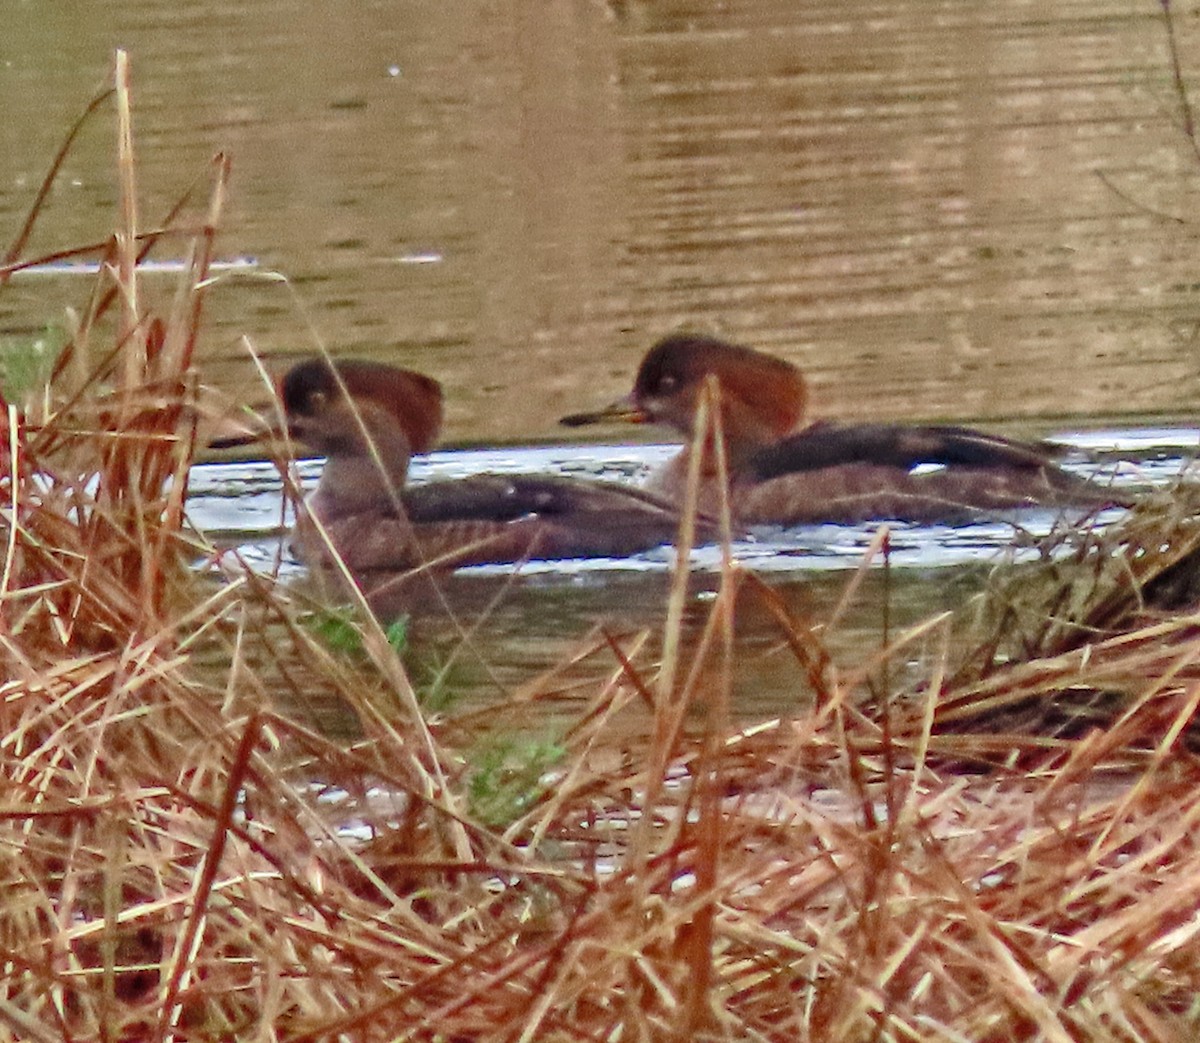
(782, 472)
(369, 418)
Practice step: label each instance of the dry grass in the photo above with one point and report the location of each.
(182, 860)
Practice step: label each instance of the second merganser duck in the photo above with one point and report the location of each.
(369, 418)
(782, 472)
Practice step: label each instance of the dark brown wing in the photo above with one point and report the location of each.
(833, 445)
(546, 516)
(862, 472)
(493, 518)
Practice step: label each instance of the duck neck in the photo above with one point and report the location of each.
(362, 482)
(738, 448)
(671, 479)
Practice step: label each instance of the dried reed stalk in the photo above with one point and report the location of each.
(182, 858)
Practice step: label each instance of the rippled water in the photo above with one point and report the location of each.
(971, 210)
(526, 620)
(244, 500)
(967, 210)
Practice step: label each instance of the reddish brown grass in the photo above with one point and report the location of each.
(182, 859)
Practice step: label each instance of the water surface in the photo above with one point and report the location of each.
(521, 622)
(975, 210)
(966, 210)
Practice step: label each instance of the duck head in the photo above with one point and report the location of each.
(366, 418)
(762, 397)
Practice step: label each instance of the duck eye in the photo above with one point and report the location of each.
(316, 401)
(667, 382)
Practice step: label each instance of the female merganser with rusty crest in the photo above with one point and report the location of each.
(782, 472)
(369, 418)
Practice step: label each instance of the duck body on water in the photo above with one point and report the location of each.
(782, 471)
(368, 419)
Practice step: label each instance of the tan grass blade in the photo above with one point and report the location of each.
(184, 855)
